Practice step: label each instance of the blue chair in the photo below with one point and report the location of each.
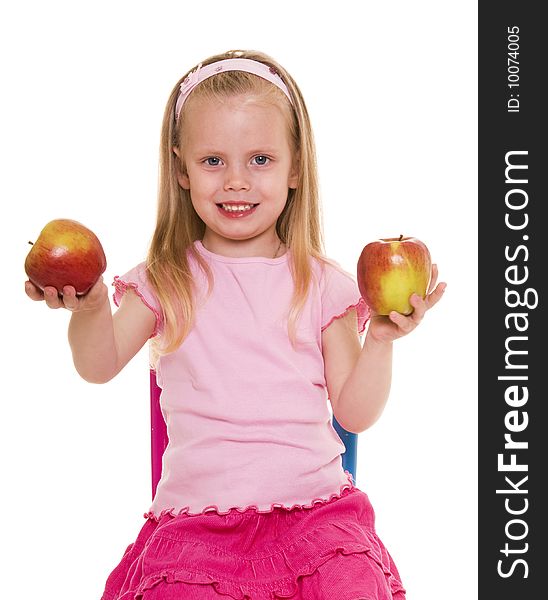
(158, 437)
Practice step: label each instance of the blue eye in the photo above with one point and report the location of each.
(213, 161)
(261, 160)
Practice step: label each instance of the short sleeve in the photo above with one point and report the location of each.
(340, 294)
(137, 280)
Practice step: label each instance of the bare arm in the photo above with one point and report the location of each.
(358, 378)
(102, 343)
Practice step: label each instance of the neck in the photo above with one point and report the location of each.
(268, 246)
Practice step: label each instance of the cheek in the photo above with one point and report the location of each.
(203, 194)
(196, 182)
(202, 209)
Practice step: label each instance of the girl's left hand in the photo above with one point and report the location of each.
(395, 325)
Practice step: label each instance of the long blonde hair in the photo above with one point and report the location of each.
(178, 225)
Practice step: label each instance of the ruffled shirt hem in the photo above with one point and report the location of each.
(213, 508)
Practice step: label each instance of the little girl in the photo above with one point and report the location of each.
(253, 330)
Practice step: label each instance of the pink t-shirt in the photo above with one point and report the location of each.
(247, 413)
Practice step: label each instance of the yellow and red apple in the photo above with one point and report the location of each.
(390, 270)
(65, 253)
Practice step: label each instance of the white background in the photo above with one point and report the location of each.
(391, 88)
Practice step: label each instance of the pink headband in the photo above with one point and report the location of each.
(230, 64)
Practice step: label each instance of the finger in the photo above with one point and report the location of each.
(33, 292)
(403, 322)
(51, 297)
(419, 308)
(70, 299)
(433, 278)
(436, 295)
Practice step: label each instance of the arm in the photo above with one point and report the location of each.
(358, 378)
(102, 343)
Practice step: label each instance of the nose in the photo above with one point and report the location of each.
(236, 178)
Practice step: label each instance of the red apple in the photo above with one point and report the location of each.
(390, 270)
(65, 253)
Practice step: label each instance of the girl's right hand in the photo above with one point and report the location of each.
(92, 300)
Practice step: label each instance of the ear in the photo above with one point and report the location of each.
(182, 176)
(293, 179)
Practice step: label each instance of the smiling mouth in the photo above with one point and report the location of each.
(237, 208)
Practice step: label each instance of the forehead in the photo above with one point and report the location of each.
(235, 118)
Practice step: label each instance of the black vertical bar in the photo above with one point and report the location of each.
(513, 252)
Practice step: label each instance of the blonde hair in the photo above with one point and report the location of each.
(178, 225)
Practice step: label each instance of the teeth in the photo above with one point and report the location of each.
(237, 207)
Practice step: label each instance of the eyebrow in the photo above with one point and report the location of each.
(265, 150)
(258, 150)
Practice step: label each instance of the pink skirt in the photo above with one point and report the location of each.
(329, 551)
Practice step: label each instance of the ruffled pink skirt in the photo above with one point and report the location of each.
(329, 551)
